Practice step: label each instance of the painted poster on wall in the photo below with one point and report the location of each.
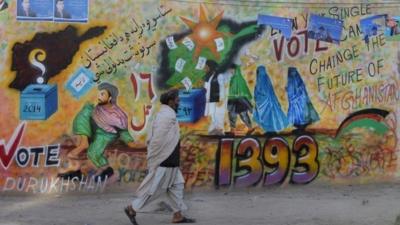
(35, 10)
(372, 26)
(283, 24)
(325, 29)
(71, 11)
(392, 31)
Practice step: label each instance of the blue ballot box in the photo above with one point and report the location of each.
(192, 105)
(38, 102)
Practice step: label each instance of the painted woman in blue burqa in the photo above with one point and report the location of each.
(301, 111)
(267, 112)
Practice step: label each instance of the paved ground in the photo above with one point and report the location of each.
(292, 205)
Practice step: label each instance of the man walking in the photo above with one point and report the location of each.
(164, 175)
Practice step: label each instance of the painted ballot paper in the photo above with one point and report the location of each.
(80, 83)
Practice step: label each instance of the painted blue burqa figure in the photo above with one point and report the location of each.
(267, 112)
(301, 111)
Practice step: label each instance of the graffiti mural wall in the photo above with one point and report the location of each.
(270, 93)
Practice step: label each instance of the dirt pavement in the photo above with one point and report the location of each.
(373, 204)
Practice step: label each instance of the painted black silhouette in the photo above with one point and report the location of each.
(59, 47)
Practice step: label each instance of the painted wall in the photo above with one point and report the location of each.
(346, 94)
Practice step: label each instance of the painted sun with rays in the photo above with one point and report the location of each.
(204, 32)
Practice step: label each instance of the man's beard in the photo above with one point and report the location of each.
(102, 103)
(175, 107)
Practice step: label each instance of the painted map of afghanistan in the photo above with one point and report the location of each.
(52, 53)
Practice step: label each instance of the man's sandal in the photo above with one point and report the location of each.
(186, 220)
(131, 215)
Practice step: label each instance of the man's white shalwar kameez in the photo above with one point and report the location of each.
(162, 139)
